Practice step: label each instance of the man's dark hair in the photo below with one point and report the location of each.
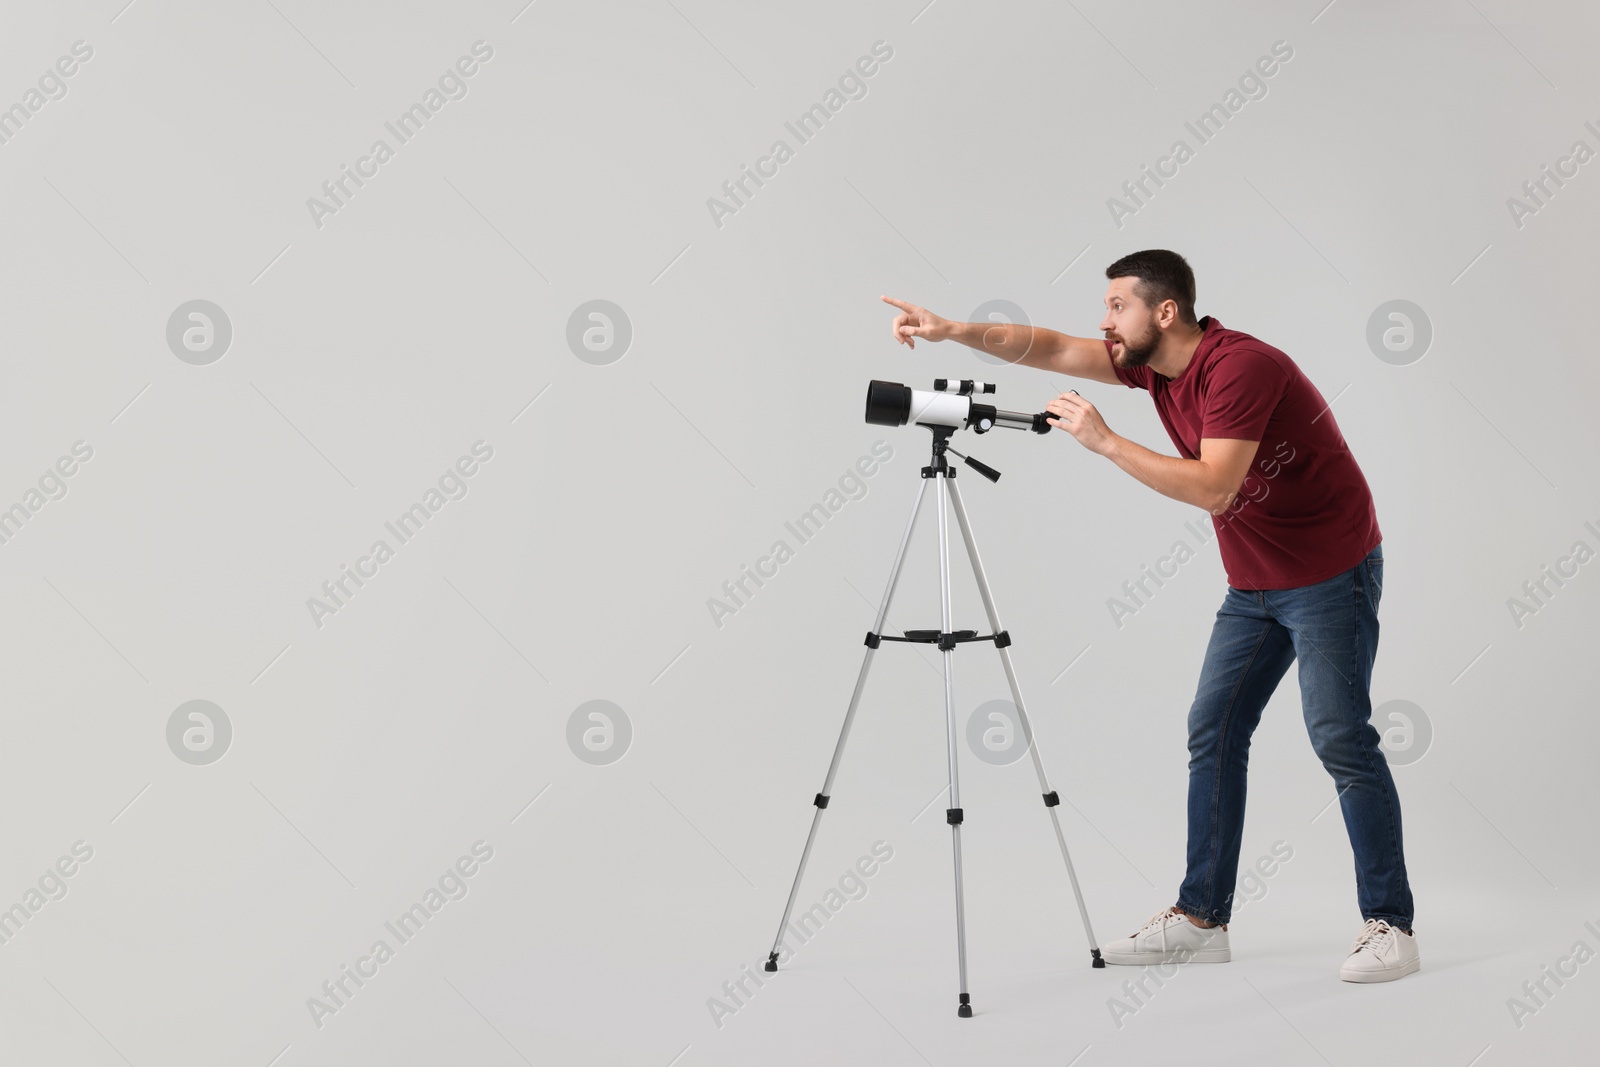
(1162, 276)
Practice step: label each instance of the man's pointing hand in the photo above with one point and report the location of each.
(914, 322)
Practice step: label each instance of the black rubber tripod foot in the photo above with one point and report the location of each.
(965, 1011)
(772, 961)
(1094, 952)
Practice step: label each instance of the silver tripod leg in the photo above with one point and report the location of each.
(953, 815)
(1051, 798)
(821, 800)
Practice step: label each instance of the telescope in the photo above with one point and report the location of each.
(952, 404)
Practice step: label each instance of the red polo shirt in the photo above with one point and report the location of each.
(1304, 513)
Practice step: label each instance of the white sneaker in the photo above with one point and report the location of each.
(1169, 937)
(1380, 954)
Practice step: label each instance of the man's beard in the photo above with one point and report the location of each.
(1137, 355)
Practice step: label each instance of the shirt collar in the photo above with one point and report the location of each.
(1208, 340)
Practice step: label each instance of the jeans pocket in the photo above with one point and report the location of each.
(1375, 581)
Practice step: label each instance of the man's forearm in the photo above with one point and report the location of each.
(1028, 346)
(1188, 480)
(1035, 346)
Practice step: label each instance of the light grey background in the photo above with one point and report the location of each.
(432, 710)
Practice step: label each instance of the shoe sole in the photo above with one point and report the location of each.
(1146, 959)
(1388, 974)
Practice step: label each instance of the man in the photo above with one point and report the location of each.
(1300, 542)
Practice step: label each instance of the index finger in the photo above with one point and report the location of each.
(901, 304)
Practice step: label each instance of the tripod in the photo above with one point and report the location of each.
(947, 639)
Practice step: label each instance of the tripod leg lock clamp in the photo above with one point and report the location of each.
(1052, 798)
(953, 816)
(821, 801)
(1002, 639)
(873, 640)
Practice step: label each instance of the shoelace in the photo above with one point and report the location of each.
(1375, 934)
(1159, 919)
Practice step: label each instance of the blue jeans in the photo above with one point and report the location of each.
(1331, 627)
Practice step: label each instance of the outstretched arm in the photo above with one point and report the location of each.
(1030, 346)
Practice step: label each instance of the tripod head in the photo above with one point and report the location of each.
(939, 467)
